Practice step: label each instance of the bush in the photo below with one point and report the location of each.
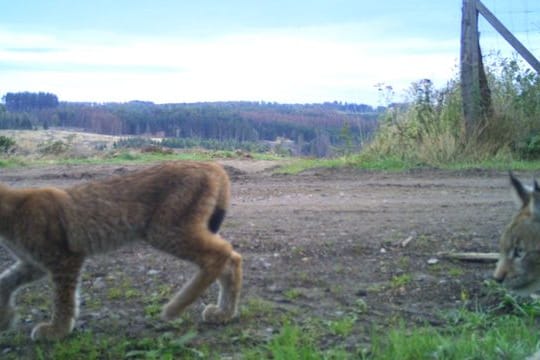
(529, 149)
(7, 144)
(429, 128)
(134, 142)
(57, 147)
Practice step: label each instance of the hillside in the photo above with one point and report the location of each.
(313, 128)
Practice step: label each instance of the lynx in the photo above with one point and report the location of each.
(519, 260)
(175, 207)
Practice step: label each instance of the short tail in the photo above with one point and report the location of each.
(216, 219)
(222, 203)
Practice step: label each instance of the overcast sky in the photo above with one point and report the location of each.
(294, 51)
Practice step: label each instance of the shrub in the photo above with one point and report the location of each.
(57, 147)
(7, 144)
(429, 128)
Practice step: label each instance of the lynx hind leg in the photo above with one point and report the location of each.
(65, 302)
(10, 280)
(212, 255)
(230, 285)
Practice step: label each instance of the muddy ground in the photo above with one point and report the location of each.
(320, 246)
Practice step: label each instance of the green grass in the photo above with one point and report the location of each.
(343, 326)
(12, 162)
(293, 294)
(294, 343)
(365, 161)
(473, 336)
(480, 334)
(129, 157)
(393, 164)
(400, 280)
(88, 346)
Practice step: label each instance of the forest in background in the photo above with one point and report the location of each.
(302, 129)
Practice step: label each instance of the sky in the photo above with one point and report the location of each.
(173, 51)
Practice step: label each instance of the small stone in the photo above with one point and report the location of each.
(98, 283)
(361, 292)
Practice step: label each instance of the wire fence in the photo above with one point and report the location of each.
(521, 17)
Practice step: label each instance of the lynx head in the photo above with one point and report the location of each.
(519, 261)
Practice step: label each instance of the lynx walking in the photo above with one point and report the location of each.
(175, 207)
(519, 260)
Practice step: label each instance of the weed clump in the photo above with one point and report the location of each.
(428, 129)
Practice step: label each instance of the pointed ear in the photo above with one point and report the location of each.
(534, 205)
(521, 194)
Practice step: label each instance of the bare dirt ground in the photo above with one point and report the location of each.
(324, 244)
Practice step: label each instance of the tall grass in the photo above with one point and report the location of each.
(429, 128)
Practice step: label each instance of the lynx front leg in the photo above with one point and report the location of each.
(230, 284)
(10, 280)
(65, 306)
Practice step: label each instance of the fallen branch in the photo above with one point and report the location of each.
(406, 242)
(470, 256)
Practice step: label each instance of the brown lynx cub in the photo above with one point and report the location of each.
(519, 261)
(175, 207)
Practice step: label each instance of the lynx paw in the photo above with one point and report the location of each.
(6, 317)
(214, 314)
(46, 331)
(169, 313)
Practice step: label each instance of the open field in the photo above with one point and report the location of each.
(30, 141)
(322, 249)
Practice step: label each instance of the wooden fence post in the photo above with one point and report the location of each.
(469, 63)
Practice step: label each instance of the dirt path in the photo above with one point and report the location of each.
(325, 244)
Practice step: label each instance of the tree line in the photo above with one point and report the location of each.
(314, 128)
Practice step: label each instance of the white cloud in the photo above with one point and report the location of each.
(287, 65)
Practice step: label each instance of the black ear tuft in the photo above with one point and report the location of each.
(519, 189)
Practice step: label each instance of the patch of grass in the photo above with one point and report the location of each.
(81, 346)
(115, 293)
(342, 327)
(293, 294)
(290, 344)
(359, 161)
(167, 346)
(369, 161)
(361, 306)
(400, 280)
(299, 165)
(123, 289)
(404, 262)
(12, 161)
(137, 157)
(256, 307)
(507, 330)
(473, 336)
(86, 345)
(121, 157)
(152, 310)
(455, 272)
(155, 301)
(6, 144)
